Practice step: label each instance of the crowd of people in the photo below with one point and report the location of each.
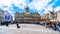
(55, 25)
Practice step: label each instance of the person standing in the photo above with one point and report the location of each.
(17, 24)
(8, 17)
(6, 23)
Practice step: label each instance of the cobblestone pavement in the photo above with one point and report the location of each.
(26, 29)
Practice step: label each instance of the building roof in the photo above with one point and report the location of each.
(27, 14)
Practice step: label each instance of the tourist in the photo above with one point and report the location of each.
(58, 26)
(6, 22)
(47, 24)
(17, 24)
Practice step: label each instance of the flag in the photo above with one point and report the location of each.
(51, 12)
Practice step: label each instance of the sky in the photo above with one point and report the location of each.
(40, 6)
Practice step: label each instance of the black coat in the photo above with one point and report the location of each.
(59, 24)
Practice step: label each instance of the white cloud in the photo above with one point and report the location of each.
(46, 11)
(15, 2)
(50, 7)
(9, 3)
(35, 4)
(39, 4)
(6, 2)
(57, 8)
(19, 2)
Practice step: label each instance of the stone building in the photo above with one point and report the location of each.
(58, 16)
(47, 17)
(27, 16)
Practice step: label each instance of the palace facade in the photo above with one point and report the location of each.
(27, 16)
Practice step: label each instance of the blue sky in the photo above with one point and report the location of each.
(40, 6)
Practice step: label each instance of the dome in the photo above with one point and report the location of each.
(27, 14)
